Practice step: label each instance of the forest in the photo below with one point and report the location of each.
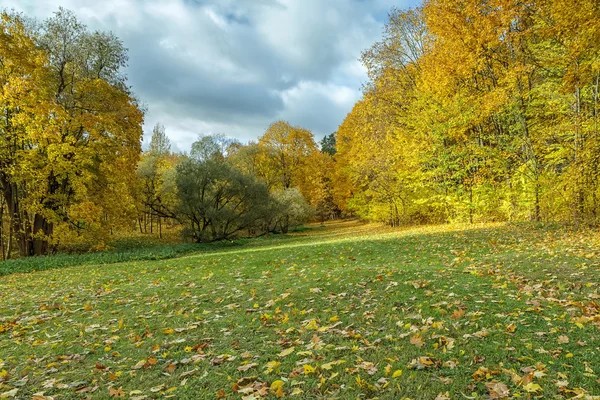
(73, 174)
(473, 112)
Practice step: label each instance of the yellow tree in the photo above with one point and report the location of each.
(569, 49)
(73, 155)
(285, 160)
(24, 102)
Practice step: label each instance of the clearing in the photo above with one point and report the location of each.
(342, 311)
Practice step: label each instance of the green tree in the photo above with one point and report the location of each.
(327, 144)
(216, 200)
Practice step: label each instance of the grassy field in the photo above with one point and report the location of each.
(346, 311)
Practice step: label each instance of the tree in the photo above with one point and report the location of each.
(293, 209)
(159, 142)
(71, 142)
(216, 200)
(156, 178)
(286, 150)
(327, 144)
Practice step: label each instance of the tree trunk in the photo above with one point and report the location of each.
(471, 205)
(536, 208)
(42, 230)
(2, 231)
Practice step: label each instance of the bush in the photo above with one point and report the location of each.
(293, 209)
(217, 201)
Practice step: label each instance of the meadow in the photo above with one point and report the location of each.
(344, 311)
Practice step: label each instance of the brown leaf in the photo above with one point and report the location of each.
(112, 392)
(417, 340)
(497, 390)
(563, 339)
(246, 367)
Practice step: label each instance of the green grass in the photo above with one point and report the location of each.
(160, 252)
(347, 311)
(136, 248)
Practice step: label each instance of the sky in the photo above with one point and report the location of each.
(235, 66)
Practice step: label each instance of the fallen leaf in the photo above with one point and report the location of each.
(246, 367)
(287, 352)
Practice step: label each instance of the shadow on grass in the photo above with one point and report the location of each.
(424, 240)
(142, 250)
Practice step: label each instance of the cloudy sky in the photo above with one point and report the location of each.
(235, 66)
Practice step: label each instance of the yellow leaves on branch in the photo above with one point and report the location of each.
(74, 143)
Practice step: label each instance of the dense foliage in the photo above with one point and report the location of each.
(69, 134)
(212, 196)
(478, 111)
(474, 111)
(70, 147)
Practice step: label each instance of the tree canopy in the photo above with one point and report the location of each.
(478, 111)
(70, 132)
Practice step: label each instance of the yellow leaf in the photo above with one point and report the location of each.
(397, 373)
(532, 388)
(330, 365)
(312, 325)
(277, 385)
(10, 393)
(309, 369)
(287, 352)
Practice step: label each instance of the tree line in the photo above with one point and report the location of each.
(72, 170)
(474, 111)
(223, 188)
(478, 111)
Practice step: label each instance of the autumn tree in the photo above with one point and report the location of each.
(489, 109)
(286, 151)
(71, 136)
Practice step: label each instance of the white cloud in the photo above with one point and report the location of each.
(316, 105)
(234, 66)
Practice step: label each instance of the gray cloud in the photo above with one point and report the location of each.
(234, 66)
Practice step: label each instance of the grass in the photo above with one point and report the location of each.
(134, 248)
(345, 311)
